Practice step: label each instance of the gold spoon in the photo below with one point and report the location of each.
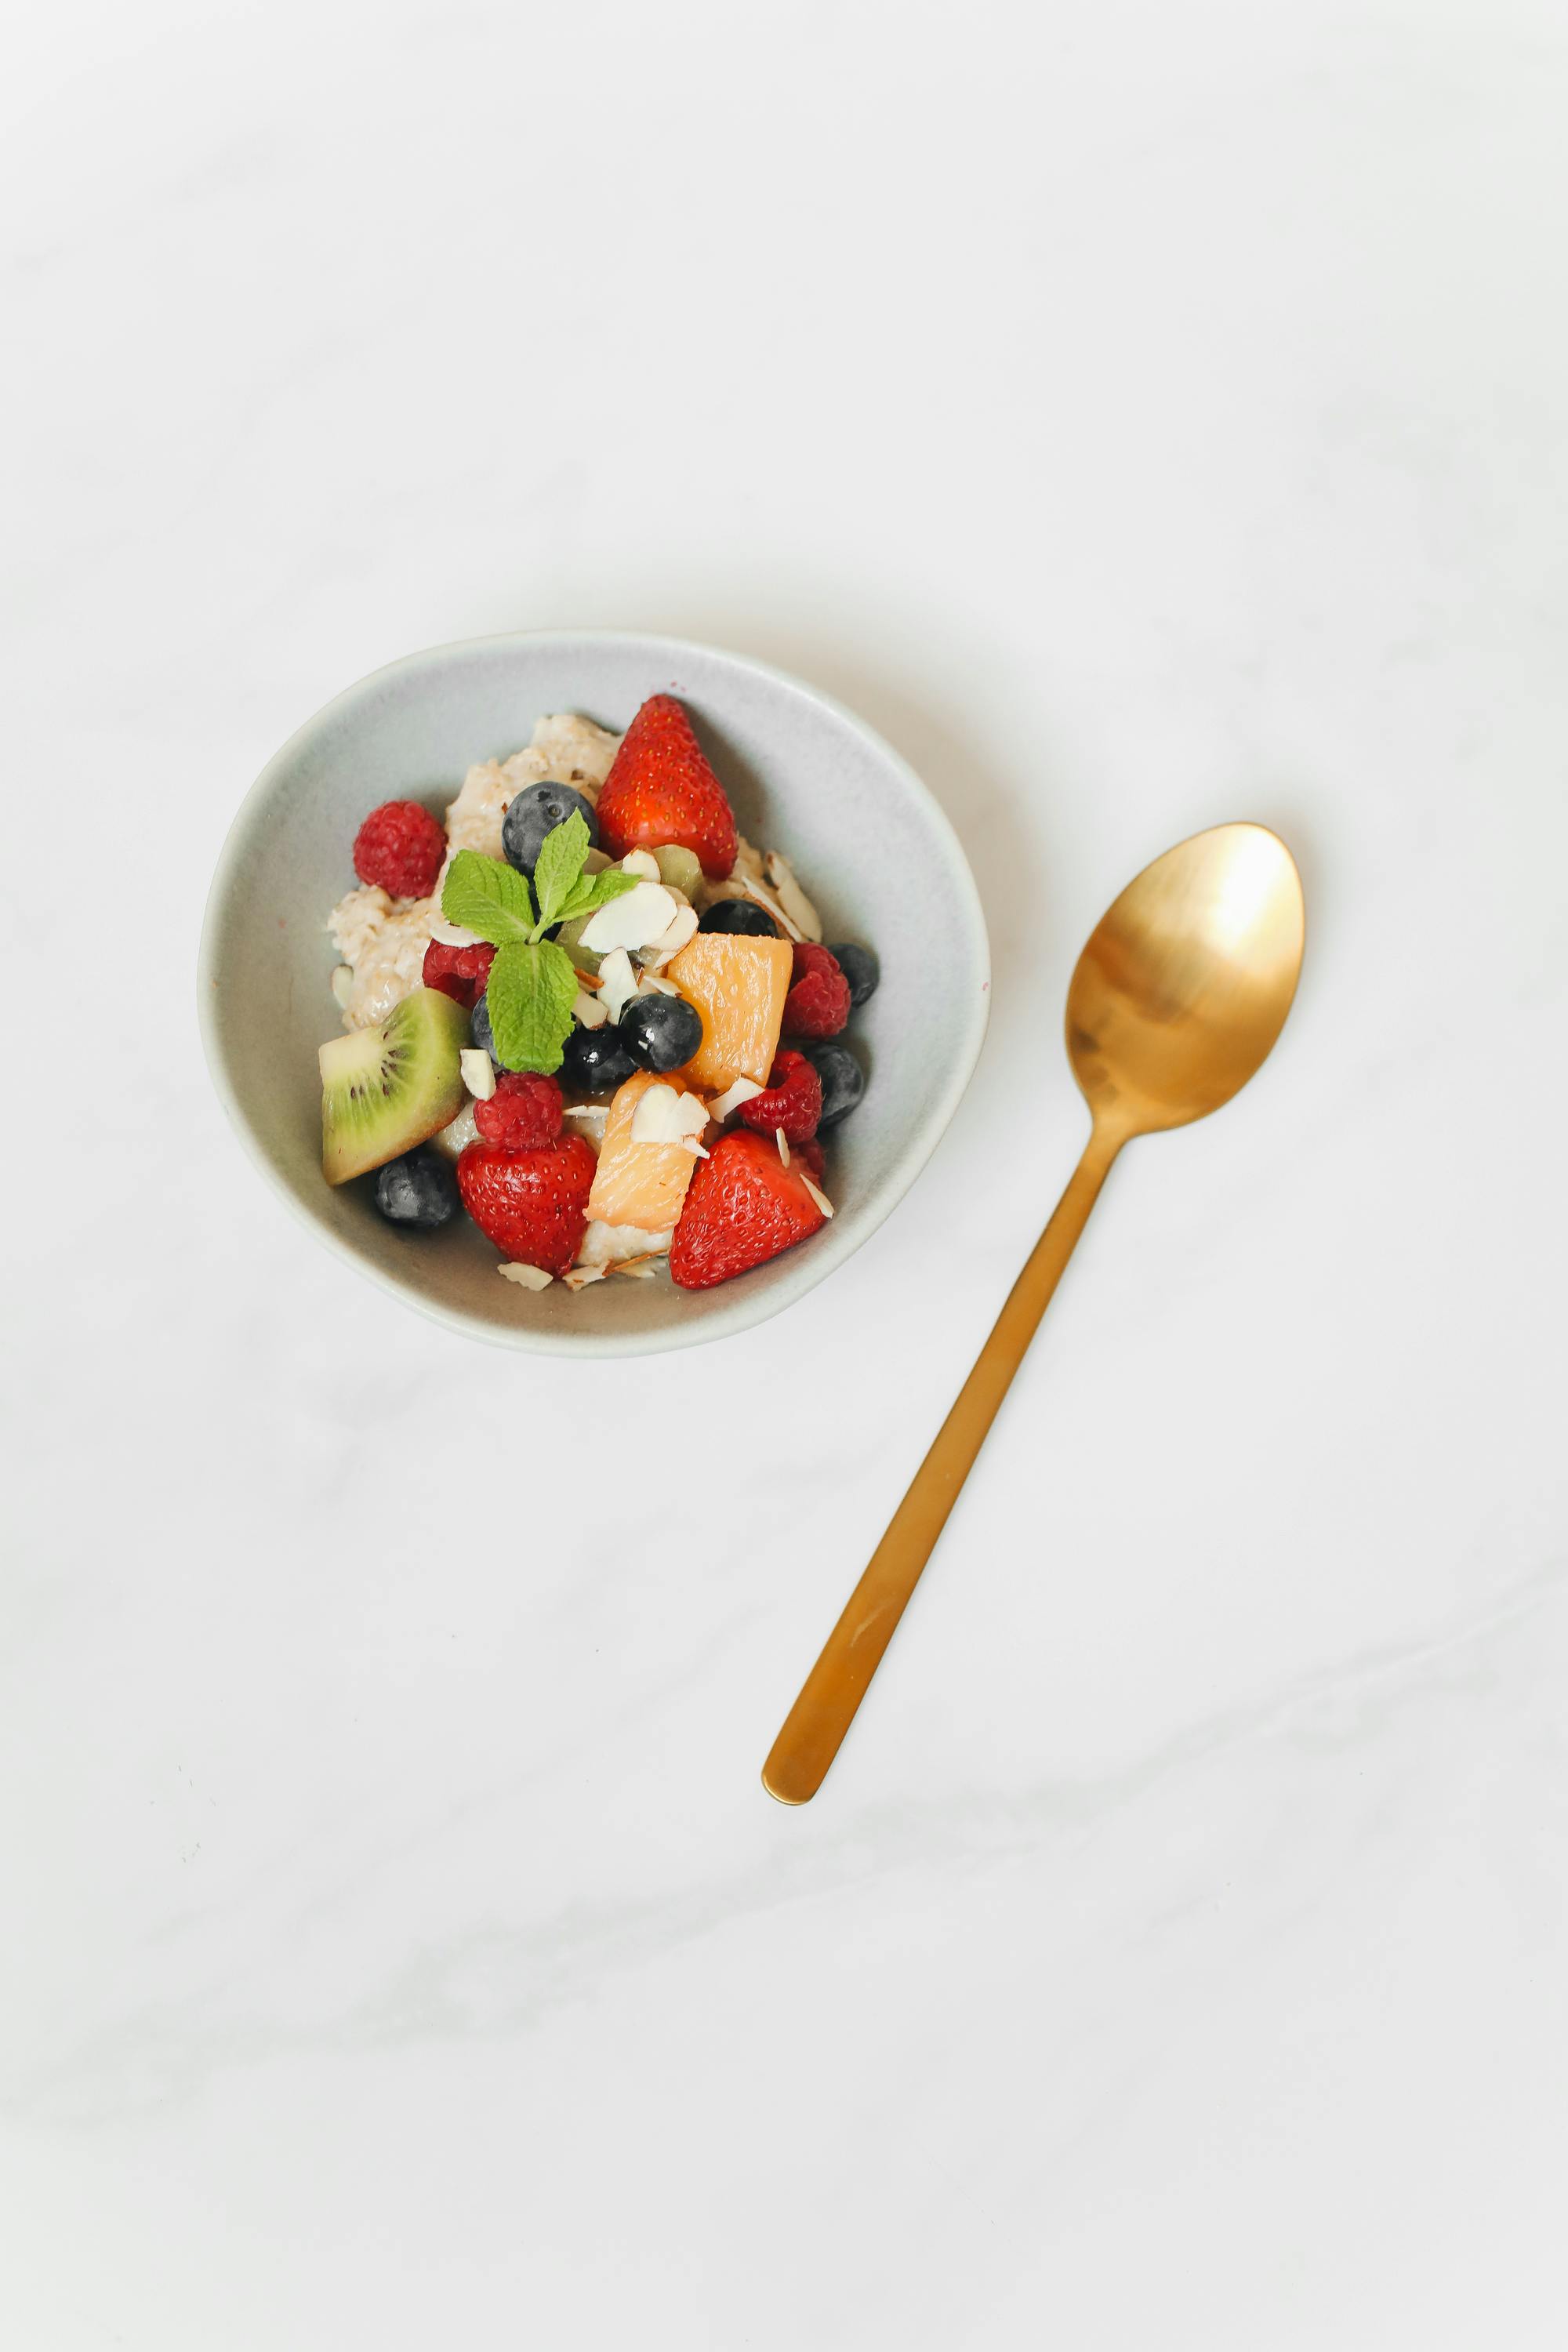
(1176, 1001)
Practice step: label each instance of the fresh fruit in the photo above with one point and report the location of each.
(812, 1157)
(570, 936)
(399, 848)
(536, 811)
(383, 1090)
(738, 916)
(661, 791)
(861, 969)
(524, 1111)
(744, 1206)
(843, 1081)
(678, 869)
(533, 1205)
(459, 972)
(793, 1101)
(419, 1190)
(638, 1184)
(595, 1061)
(483, 1029)
(819, 1001)
(739, 986)
(660, 1032)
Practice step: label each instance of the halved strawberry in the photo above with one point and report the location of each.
(793, 1101)
(661, 789)
(533, 1205)
(743, 1208)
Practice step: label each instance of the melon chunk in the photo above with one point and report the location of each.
(739, 985)
(638, 1184)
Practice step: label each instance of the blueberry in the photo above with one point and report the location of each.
(484, 1037)
(843, 1079)
(661, 1032)
(741, 915)
(535, 812)
(596, 1060)
(419, 1190)
(861, 969)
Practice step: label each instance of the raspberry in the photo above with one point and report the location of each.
(793, 1101)
(812, 1158)
(818, 1004)
(459, 972)
(523, 1113)
(399, 848)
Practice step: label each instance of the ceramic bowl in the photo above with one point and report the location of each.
(805, 776)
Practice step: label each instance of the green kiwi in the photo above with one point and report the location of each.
(383, 1090)
(680, 869)
(570, 936)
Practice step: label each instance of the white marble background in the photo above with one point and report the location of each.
(1145, 414)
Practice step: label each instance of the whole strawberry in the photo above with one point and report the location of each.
(793, 1101)
(743, 1207)
(661, 789)
(533, 1205)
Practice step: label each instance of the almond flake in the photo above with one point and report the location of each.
(671, 943)
(823, 1202)
(650, 985)
(732, 1097)
(617, 982)
(780, 1139)
(578, 1278)
(793, 900)
(765, 898)
(631, 920)
(453, 935)
(589, 1011)
(343, 984)
(588, 980)
(642, 863)
(527, 1278)
(478, 1072)
(664, 1115)
(643, 1267)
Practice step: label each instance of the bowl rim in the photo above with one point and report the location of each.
(730, 1314)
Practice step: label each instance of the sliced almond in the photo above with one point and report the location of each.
(665, 1114)
(589, 1011)
(793, 900)
(478, 1072)
(731, 1099)
(671, 943)
(644, 1267)
(823, 1202)
(343, 984)
(650, 984)
(782, 1143)
(631, 920)
(578, 1278)
(746, 889)
(617, 982)
(641, 862)
(527, 1278)
(453, 935)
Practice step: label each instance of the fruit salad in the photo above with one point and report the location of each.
(590, 1016)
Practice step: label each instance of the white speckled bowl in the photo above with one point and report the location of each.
(867, 839)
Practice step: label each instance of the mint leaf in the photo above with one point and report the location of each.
(485, 895)
(591, 891)
(558, 865)
(530, 995)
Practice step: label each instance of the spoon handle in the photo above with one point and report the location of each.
(817, 1723)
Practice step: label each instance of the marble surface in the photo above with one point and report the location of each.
(1145, 416)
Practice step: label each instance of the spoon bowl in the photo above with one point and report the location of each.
(1186, 980)
(1177, 997)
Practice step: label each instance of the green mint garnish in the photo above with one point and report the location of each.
(532, 983)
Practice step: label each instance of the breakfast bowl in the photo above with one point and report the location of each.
(879, 857)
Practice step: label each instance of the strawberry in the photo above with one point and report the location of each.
(744, 1206)
(533, 1205)
(661, 789)
(793, 1101)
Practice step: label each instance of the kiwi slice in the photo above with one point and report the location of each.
(679, 868)
(570, 936)
(383, 1090)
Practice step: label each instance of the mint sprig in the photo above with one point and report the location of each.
(532, 983)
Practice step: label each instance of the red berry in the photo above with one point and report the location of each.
(818, 1004)
(742, 1208)
(523, 1112)
(812, 1158)
(661, 789)
(399, 848)
(533, 1205)
(793, 1101)
(459, 972)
